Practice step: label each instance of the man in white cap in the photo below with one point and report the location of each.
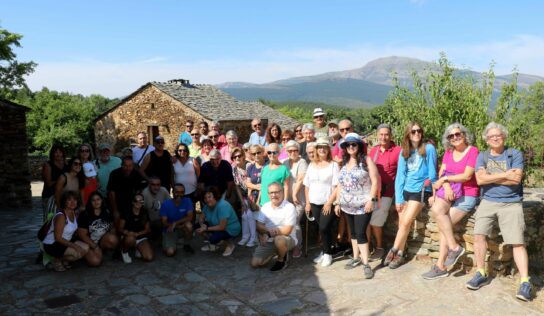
(105, 163)
(320, 124)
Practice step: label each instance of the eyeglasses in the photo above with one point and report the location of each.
(271, 152)
(214, 136)
(236, 157)
(344, 129)
(257, 153)
(195, 135)
(274, 192)
(498, 136)
(298, 130)
(416, 131)
(183, 151)
(84, 150)
(310, 152)
(352, 145)
(454, 135)
(257, 125)
(292, 151)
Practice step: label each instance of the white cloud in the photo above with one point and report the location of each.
(118, 79)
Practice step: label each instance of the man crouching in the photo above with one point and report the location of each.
(275, 224)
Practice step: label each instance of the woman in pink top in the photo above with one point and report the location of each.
(456, 195)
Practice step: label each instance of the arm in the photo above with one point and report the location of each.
(399, 182)
(286, 187)
(113, 204)
(307, 208)
(59, 222)
(217, 228)
(374, 180)
(510, 177)
(297, 186)
(46, 175)
(196, 165)
(83, 234)
(144, 166)
(59, 188)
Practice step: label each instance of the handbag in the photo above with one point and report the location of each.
(456, 187)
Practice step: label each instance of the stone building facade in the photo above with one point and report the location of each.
(15, 188)
(163, 108)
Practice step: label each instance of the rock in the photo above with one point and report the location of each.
(172, 299)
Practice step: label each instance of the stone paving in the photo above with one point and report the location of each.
(209, 284)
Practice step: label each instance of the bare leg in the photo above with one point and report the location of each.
(455, 215)
(406, 218)
(522, 260)
(480, 248)
(145, 249)
(364, 251)
(441, 211)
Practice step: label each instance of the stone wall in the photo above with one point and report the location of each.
(15, 188)
(424, 245)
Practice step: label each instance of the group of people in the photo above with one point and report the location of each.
(262, 189)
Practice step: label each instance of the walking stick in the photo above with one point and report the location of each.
(306, 238)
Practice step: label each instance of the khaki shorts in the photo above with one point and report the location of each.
(268, 250)
(510, 218)
(379, 216)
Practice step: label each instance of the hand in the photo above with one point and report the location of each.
(513, 175)
(431, 200)
(296, 201)
(448, 194)
(399, 207)
(337, 210)
(326, 208)
(171, 227)
(307, 208)
(79, 250)
(263, 238)
(369, 206)
(273, 232)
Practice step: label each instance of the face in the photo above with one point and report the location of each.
(85, 151)
(352, 148)
(57, 155)
(344, 128)
(384, 136)
(154, 186)
(138, 201)
(105, 154)
(195, 136)
(215, 127)
(215, 161)
(257, 154)
(207, 147)
(275, 132)
(275, 193)
(96, 202)
(322, 150)
(298, 132)
(71, 203)
(179, 192)
(293, 153)
(127, 166)
(188, 127)
(209, 199)
(256, 125)
(311, 153)
(214, 136)
(319, 119)
(285, 139)
(232, 140)
(495, 138)
(159, 144)
(203, 129)
(76, 165)
(183, 151)
(142, 139)
(456, 137)
(333, 130)
(238, 157)
(416, 133)
(308, 135)
(273, 152)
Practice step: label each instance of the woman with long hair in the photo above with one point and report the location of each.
(320, 184)
(356, 196)
(456, 195)
(298, 133)
(186, 171)
(51, 171)
(135, 229)
(415, 174)
(239, 171)
(273, 134)
(71, 180)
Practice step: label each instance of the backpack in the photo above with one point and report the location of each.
(42, 232)
(509, 162)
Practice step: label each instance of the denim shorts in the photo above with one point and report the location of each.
(466, 203)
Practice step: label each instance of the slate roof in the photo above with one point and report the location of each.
(12, 105)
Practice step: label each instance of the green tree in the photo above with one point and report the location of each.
(12, 71)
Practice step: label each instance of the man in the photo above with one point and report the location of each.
(344, 127)
(123, 184)
(177, 218)
(154, 195)
(334, 134)
(203, 128)
(386, 157)
(499, 173)
(276, 227)
(320, 125)
(258, 137)
(105, 163)
(308, 132)
(139, 151)
(215, 126)
(159, 163)
(214, 137)
(217, 172)
(185, 137)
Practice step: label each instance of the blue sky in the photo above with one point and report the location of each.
(114, 47)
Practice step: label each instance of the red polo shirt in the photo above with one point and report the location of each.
(387, 162)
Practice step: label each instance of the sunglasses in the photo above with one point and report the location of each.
(257, 125)
(271, 152)
(214, 136)
(352, 145)
(188, 125)
(343, 129)
(159, 141)
(292, 151)
(85, 150)
(298, 130)
(183, 151)
(195, 135)
(416, 131)
(454, 135)
(318, 116)
(257, 153)
(236, 157)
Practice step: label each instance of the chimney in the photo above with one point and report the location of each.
(179, 82)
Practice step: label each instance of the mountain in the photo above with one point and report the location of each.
(361, 87)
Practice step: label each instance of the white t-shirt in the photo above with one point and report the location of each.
(297, 168)
(320, 182)
(138, 153)
(283, 215)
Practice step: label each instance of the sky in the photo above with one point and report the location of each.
(114, 47)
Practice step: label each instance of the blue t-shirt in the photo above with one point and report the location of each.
(412, 172)
(221, 210)
(255, 139)
(498, 164)
(185, 138)
(174, 213)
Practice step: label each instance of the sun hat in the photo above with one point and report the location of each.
(323, 141)
(351, 138)
(318, 112)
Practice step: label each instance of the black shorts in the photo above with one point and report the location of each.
(417, 196)
(55, 250)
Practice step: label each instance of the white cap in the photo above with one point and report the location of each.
(89, 170)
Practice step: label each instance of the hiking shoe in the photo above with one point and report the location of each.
(377, 254)
(319, 258)
(188, 249)
(297, 252)
(388, 258)
(477, 281)
(352, 263)
(453, 256)
(209, 247)
(367, 270)
(126, 257)
(251, 244)
(524, 292)
(279, 265)
(397, 261)
(228, 249)
(327, 260)
(243, 241)
(435, 273)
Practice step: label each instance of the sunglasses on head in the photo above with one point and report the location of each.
(416, 131)
(454, 135)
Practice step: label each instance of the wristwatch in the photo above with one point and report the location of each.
(446, 179)
(374, 199)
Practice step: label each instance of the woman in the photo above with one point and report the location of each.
(254, 171)
(232, 142)
(195, 146)
(85, 153)
(457, 171)
(218, 222)
(298, 134)
(95, 228)
(239, 171)
(320, 184)
(286, 136)
(273, 134)
(249, 158)
(51, 171)
(275, 171)
(135, 228)
(311, 151)
(207, 146)
(186, 171)
(297, 170)
(356, 196)
(71, 180)
(415, 173)
(57, 242)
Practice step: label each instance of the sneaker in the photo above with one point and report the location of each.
(367, 270)
(352, 263)
(327, 260)
(377, 254)
(251, 244)
(243, 241)
(397, 261)
(209, 247)
(388, 258)
(137, 254)
(188, 249)
(453, 256)
(279, 265)
(524, 292)
(435, 273)
(228, 249)
(477, 281)
(297, 252)
(319, 258)
(126, 257)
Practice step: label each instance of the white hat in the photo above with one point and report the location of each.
(318, 112)
(89, 170)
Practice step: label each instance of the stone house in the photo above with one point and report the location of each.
(15, 188)
(162, 108)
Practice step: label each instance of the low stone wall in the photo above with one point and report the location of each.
(423, 240)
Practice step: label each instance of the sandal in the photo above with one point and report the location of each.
(66, 264)
(58, 266)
